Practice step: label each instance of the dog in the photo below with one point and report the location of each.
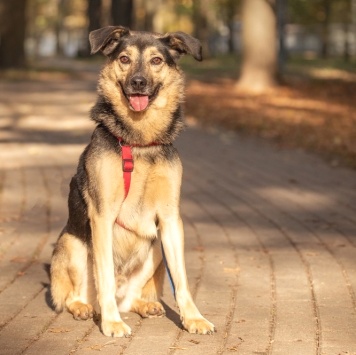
(124, 198)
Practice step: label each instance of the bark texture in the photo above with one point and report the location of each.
(259, 37)
(12, 33)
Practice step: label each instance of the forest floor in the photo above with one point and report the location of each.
(314, 108)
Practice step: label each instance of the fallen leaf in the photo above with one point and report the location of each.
(99, 347)
(233, 348)
(194, 341)
(59, 330)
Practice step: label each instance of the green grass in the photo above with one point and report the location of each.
(329, 63)
(226, 66)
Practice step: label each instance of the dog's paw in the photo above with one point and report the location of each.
(115, 329)
(151, 309)
(81, 311)
(199, 326)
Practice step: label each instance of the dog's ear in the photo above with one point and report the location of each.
(107, 38)
(181, 43)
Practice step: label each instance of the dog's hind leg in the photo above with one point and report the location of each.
(148, 306)
(72, 284)
(145, 286)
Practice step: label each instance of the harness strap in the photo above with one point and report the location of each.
(128, 162)
(127, 168)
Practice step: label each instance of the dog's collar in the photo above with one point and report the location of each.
(123, 143)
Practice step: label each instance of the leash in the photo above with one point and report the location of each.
(127, 168)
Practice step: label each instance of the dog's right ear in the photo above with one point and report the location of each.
(107, 38)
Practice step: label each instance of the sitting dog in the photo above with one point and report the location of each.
(124, 199)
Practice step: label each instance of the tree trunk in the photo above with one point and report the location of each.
(121, 12)
(347, 20)
(149, 9)
(325, 29)
(281, 13)
(201, 27)
(259, 38)
(12, 33)
(58, 27)
(94, 16)
(231, 9)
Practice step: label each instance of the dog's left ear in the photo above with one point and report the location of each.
(107, 38)
(181, 43)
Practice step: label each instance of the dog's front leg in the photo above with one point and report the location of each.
(102, 236)
(173, 243)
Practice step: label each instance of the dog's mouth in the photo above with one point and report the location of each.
(139, 101)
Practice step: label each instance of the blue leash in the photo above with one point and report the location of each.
(168, 272)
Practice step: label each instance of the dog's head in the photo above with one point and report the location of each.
(142, 64)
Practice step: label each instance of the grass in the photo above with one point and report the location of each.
(212, 68)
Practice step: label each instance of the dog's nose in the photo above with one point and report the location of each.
(138, 82)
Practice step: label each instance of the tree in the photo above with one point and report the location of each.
(259, 37)
(201, 24)
(122, 12)
(12, 33)
(58, 26)
(228, 10)
(325, 17)
(94, 16)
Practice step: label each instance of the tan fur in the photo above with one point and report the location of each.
(122, 268)
(147, 123)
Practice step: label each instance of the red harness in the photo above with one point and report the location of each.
(127, 168)
(128, 162)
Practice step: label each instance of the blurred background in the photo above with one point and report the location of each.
(309, 29)
(281, 69)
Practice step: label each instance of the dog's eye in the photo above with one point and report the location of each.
(124, 59)
(156, 60)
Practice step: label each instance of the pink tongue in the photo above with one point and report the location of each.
(139, 102)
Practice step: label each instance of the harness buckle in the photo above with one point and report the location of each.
(127, 165)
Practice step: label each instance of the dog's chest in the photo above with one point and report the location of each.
(138, 212)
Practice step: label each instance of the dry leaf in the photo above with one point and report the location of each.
(59, 330)
(233, 348)
(99, 347)
(194, 341)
